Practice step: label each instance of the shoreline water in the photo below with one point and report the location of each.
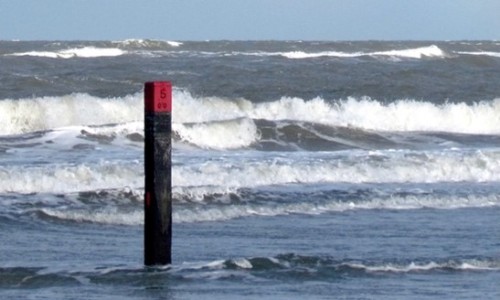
(365, 170)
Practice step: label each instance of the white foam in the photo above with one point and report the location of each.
(421, 52)
(242, 263)
(186, 108)
(219, 135)
(402, 115)
(84, 52)
(246, 263)
(69, 178)
(415, 53)
(303, 55)
(365, 113)
(106, 215)
(200, 177)
(109, 214)
(147, 42)
(480, 53)
(394, 268)
(476, 265)
(397, 167)
(38, 114)
(174, 43)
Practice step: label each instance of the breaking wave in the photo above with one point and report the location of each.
(415, 53)
(125, 206)
(84, 52)
(45, 113)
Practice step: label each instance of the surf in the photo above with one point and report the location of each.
(83, 52)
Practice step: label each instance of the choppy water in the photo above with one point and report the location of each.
(365, 170)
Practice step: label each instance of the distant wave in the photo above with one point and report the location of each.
(146, 43)
(416, 53)
(480, 53)
(158, 48)
(432, 51)
(85, 52)
(147, 48)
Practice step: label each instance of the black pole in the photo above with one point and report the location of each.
(157, 164)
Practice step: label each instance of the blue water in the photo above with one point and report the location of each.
(361, 254)
(364, 170)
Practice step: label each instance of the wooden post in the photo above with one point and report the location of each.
(157, 164)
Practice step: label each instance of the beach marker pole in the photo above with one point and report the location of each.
(158, 173)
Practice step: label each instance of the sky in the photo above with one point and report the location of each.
(250, 19)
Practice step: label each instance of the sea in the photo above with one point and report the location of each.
(300, 169)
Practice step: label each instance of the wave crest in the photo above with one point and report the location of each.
(414, 53)
(84, 52)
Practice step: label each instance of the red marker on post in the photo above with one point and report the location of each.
(158, 174)
(158, 97)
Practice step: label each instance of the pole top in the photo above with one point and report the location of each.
(158, 96)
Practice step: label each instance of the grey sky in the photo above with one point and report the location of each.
(250, 19)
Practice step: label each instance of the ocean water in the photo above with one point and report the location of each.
(301, 170)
